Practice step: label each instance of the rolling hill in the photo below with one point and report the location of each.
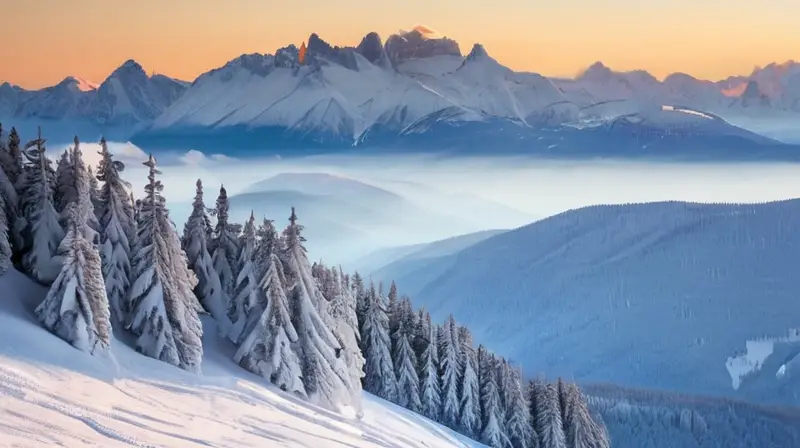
(693, 298)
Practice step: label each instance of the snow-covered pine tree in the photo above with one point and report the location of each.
(470, 405)
(79, 192)
(164, 315)
(208, 288)
(266, 349)
(5, 244)
(581, 431)
(116, 232)
(393, 311)
(379, 376)
(8, 208)
(10, 160)
(247, 295)
(325, 375)
(225, 248)
(449, 353)
(561, 388)
(42, 233)
(517, 418)
(548, 418)
(492, 428)
(268, 242)
(94, 192)
(359, 292)
(76, 308)
(421, 332)
(343, 311)
(405, 367)
(430, 388)
(65, 186)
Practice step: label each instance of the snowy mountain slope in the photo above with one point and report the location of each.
(639, 418)
(53, 394)
(340, 93)
(390, 258)
(661, 294)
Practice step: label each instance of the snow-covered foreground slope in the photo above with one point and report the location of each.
(660, 295)
(54, 395)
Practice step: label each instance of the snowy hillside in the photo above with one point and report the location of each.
(53, 394)
(390, 258)
(669, 295)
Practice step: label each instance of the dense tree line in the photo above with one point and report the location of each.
(118, 264)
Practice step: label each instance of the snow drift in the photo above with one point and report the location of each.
(52, 394)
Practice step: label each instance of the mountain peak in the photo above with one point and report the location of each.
(477, 52)
(598, 69)
(130, 66)
(371, 47)
(80, 83)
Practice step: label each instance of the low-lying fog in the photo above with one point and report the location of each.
(417, 199)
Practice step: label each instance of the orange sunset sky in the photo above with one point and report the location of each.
(44, 41)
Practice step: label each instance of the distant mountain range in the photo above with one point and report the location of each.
(412, 90)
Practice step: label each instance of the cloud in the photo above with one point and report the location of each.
(196, 158)
(127, 153)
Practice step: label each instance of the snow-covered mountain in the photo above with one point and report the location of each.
(339, 94)
(678, 296)
(54, 395)
(127, 97)
(772, 89)
(378, 94)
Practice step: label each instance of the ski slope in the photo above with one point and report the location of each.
(664, 295)
(54, 395)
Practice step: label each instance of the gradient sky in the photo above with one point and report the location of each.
(47, 40)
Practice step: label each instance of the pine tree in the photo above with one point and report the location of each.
(267, 349)
(548, 418)
(580, 429)
(10, 156)
(561, 388)
(267, 243)
(325, 375)
(225, 249)
(5, 244)
(343, 311)
(208, 289)
(164, 313)
(392, 311)
(379, 376)
(42, 233)
(116, 232)
(94, 192)
(469, 406)
(492, 430)
(8, 214)
(450, 366)
(65, 179)
(430, 389)
(247, 296)
(76, 307)
(80, 193)
(405, 367)
(517, 418)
